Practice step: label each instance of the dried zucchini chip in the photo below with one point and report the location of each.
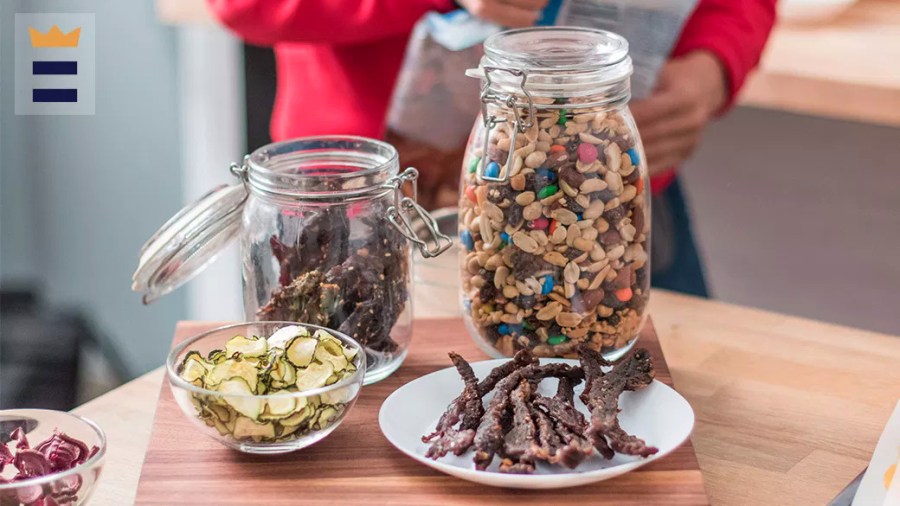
(314, 376)
(247, 347)
(325, 417)
(332, 353)
(300, 350)
(279, 407)
(193, 370)
(221, 412)
(299, 417)
(247, 428)
(240, 401)
(337, 396)
(233, 368)
(216, 356)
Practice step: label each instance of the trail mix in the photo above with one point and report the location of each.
(327, 278)
(290, 361)
(557, 255)
(523, 427)
(56, 454)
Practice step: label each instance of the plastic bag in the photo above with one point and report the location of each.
(434, 103)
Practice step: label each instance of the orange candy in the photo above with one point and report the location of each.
(556, 148)
(639, 185)
(470, 192)
(624, 294)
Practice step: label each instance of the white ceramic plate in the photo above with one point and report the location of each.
(657, 414)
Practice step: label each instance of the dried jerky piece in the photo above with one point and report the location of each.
(518, 445)
(521, 359)
(489, 435)
(631, 373)
(468, 406)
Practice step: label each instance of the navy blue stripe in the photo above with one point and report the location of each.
(54, 67)
(550, 13)
(54, 95)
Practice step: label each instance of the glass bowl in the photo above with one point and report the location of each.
(317, 412)
(71, 487)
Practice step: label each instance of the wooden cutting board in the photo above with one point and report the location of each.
(357, 465)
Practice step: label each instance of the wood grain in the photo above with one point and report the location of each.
(357, 465)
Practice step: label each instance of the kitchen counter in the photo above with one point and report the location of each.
(788, 409)
(847, 69)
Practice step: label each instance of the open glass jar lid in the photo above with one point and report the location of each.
(189, 241)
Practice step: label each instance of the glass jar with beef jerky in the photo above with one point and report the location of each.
(554, 207)
(326, 225)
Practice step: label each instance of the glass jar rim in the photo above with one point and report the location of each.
(557, 62)
(325, 166)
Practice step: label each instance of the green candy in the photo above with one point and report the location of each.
(473, 165)
(562, 117)
(547, 191)
(557, 339)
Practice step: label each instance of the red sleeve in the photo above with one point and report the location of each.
(267, 22)
(734, 30)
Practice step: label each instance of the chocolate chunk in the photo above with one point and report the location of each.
(615, 215)
(610, 237)
(571, 176)
(514, 215)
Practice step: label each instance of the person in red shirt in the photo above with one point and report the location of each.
(337, 62)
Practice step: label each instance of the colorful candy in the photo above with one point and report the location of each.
(548, 285)
(538, 224)
(587, 153)
(473, 165)
(468, 241)
(492, 170)
(635, 159)
(547, 191)
(470, 192)
(557, 339)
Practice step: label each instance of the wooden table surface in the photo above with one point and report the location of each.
(356, 465)
(788, 409)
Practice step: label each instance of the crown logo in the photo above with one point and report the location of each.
(54, 37)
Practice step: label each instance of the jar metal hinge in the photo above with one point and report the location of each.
(404, 208)
(520, 124)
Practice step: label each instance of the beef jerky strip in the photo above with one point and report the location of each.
(631, 373)
(489, 436)
(518, 445)
(451, 416)
(466, 406)
(521, 359)
(570, 425)
(592, 362)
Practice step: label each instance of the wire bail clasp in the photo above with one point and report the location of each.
(404, 207)
(520, 124)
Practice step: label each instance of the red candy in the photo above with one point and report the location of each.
(553, 225)
(538, 224)
(587, 153)
(470, 192)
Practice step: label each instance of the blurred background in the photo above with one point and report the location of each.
(794, 194)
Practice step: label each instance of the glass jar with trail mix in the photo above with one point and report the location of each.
(554, 206)
(325, 230)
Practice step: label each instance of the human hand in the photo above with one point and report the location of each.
(508, 13)
(690, 90)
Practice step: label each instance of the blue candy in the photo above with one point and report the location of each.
(580, 216)
(503, 329)
(547, 174)
(548, 285)
(467, 240)
(492, 170)
(505, 237)
(635, 159)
